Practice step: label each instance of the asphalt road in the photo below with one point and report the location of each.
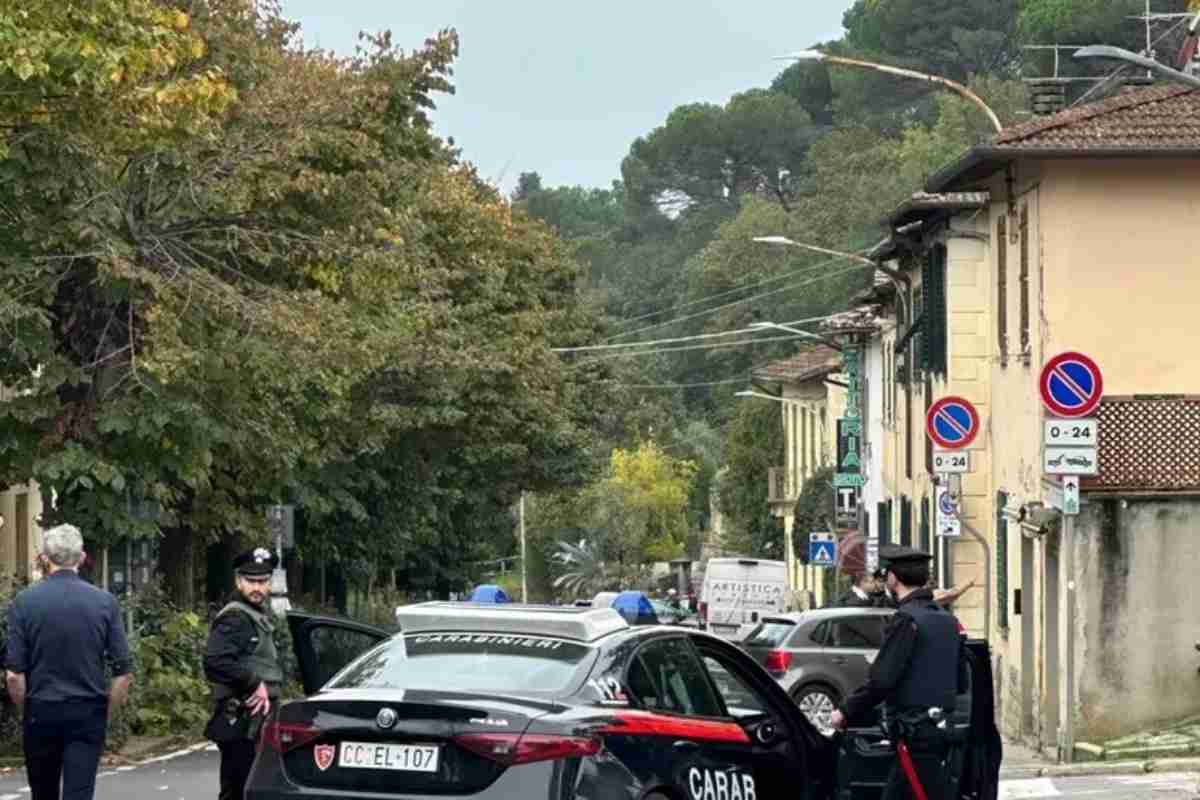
(193, 776)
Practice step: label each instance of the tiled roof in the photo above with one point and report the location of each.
(860, 319)
(915, 206)
(1158, 121)
(812, 361)
(1165, 117)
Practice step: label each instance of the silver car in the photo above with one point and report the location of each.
(819, 656)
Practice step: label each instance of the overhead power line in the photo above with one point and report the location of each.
(682, 385)
(705, 313)
(747, 343)
(735, 290)
(677, 340)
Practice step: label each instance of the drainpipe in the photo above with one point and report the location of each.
(1066, 712)
(987, 574)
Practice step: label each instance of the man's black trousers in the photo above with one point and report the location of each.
(928, 748)
(236, 759)
(63, 743)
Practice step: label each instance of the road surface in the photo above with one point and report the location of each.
(192, 775)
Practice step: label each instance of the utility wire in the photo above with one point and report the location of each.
(746, 343)
(735, 290)
(680, 385)
(678, 340)
(715, 309)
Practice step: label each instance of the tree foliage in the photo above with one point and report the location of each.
(754, 443)
(239, 272)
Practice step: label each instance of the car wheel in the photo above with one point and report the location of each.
(817, 702)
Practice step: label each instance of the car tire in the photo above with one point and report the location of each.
(817, 701)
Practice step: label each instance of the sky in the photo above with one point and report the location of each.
(563, 88)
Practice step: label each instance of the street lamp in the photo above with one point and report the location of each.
(954, 86)
(1117, 54)
(805, 334)
(790, 243)
(760, 396)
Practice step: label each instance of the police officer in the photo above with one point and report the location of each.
(241, 664)
(914, 675)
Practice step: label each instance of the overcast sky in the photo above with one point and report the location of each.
(563, 87)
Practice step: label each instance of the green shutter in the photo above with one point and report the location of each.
(906, 522)
(933, 302)
(1001, 561)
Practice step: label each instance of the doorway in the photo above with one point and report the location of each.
(1051, 643)
(1027, 607)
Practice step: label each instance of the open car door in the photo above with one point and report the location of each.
(323, 645)
(865, 756)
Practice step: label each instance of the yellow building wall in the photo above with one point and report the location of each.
(810, 412)
(1123, 270)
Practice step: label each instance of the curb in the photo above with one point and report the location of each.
(1101, 768)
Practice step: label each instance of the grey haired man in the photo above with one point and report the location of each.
(62, 633)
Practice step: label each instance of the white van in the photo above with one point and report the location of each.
(738, 592)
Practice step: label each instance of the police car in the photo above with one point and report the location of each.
(501, 702)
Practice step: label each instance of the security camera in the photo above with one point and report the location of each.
(1038, 515)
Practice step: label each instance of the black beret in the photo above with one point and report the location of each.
(259, 561)
(898, 554)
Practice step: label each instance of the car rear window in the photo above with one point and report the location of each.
(468, 662)
(771, 633)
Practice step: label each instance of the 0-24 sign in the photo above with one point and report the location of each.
(956, 462)
(1071, 432)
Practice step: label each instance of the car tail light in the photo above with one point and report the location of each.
(510, 749)
(284, 736)
(778, 661)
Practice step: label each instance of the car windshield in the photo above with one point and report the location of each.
(770, 632)
(468, 662)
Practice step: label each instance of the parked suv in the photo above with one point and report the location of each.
(819, 656)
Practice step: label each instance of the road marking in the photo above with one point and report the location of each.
(1028, 789)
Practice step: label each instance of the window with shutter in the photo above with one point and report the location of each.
(906, 522)
(1025, 337)
(1002, 288)
(934, 312)
(884, 512)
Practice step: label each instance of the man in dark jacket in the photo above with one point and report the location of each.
(915, 676)
(62, 632)
(861, 594)
(242, 665)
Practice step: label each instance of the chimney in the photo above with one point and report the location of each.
(1047, 95)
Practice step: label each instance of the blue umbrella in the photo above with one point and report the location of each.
(635, 607)
(489, 593)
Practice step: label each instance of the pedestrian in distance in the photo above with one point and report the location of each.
(861, 593)
(242, 666)
(62, 634)
(915, 676)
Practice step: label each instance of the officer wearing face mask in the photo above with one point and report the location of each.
(915, 676)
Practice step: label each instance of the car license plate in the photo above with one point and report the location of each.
(402, 757)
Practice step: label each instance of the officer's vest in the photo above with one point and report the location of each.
(932, 676)
(264, 661)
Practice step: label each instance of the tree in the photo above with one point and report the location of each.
(754, 443)
(708, 155)
(276, 284)
(952, 38)
(586, 573)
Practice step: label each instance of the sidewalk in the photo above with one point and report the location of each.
(1173, 749)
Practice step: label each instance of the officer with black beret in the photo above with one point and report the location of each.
(242, 665)
(915, 676)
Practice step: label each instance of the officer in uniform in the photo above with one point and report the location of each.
(915, 676)
(241, 664)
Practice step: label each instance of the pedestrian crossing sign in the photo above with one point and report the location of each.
(822, 550)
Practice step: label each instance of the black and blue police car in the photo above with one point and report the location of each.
(512, 702)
